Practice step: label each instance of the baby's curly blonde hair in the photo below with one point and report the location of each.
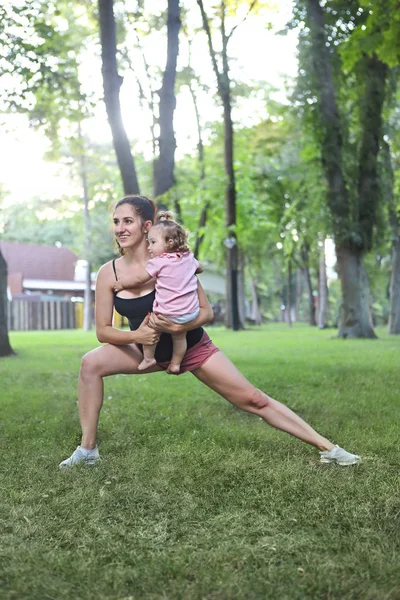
(174, 235)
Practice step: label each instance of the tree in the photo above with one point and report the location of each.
(353, 211)
(394, 220)
(5, 347)
(164, 165)
(205, 203)
(188, 77)
(112, 82)
(87, 306)
(323, 303)
(224, 90)
(305, 255)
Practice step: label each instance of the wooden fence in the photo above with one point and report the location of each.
(25, 315)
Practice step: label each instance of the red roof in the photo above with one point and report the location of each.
(39, 262)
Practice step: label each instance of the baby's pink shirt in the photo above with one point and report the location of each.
(176, 283)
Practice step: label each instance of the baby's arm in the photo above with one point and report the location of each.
(118, 286)
(141, 276)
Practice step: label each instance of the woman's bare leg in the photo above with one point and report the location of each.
(101, 362)
(219, 374)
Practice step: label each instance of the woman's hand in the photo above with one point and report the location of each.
(145, 334)
(162, 324)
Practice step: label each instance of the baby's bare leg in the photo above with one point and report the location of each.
(148, 360)
(179, 346)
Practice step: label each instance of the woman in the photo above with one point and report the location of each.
(121, 353)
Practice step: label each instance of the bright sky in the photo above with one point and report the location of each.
(258, 55)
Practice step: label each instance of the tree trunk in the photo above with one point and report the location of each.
(306, 269)
(311, 302)
(87, 299)
(178, 209)
(241, 292)
(5, 348)
(322, 292)
(147, 99)
(230, 190)
(164, 166)
(230, 204)
(232, 319)
(255, 307)
(200, 229)
(369, 189)
(280, 288)
(394, 318)
(299, 293)
(206, 203)
(332, 142)
(112, 83)
(224, 91)
(289, 294)
(394, 218)
(355, 317)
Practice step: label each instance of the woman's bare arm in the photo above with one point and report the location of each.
(104, 311)
(206, 315)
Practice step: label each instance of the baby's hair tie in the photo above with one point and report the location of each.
(165, 215)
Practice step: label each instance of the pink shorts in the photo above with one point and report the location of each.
(197, 355)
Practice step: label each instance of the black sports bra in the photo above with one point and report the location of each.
(135, 310)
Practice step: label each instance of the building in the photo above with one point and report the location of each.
(45, 285)
(43, 270)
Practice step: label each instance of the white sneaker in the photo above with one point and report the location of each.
(81, 456)
(339, 456)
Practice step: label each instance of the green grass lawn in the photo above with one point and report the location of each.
(195, 499)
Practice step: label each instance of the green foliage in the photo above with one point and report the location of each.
(290, 186)
(280, 201)
(379, 33)
(40, 44)
(192, 196)
(22, 223)
(238, 10)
